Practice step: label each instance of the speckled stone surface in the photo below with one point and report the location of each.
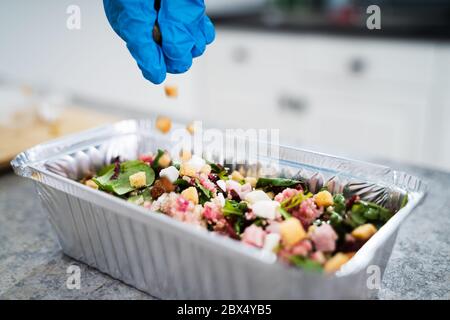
(32, 265)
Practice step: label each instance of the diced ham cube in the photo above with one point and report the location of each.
(254, 236)
(324, 238)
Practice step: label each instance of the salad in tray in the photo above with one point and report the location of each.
(317, 232)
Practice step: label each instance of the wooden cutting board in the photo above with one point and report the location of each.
(26, 130)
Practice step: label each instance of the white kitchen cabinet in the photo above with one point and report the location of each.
(358, 96)
(439, 119)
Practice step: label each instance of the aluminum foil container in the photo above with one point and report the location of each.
(171, 259)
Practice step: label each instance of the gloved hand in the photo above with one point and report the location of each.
(185, 30)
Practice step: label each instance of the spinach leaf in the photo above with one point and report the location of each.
(155, 164)
(239, 224)
(105, 169)
(182, 184)
(339, 203)
(357, 215)
(404, 201)
(362, 211)
(139, 199)
(204, 194)
(103, 181)
(306, 264)
(335, 220)
(220, 170)
(232, 207)
(121, 185)
(267, 183)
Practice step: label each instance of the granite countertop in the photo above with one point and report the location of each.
(32, 265)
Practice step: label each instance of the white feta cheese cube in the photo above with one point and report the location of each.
(266, 209)
(170, 173)
(196, 162)
(271, 241)
(222, 185)
(255, 196)
(220, 199)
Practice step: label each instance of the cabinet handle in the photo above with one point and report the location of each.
(291, 103)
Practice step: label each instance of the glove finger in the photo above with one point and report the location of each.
(177, 44)
(206, 35)
(133, 21)
(150, 60)
(210, 33)
(179, 22)
(179, 65)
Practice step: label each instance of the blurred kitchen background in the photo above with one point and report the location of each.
(308, 67)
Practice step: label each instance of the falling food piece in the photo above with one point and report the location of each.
(163, 124)
(171, 91)
(54, 129)
(190, 128)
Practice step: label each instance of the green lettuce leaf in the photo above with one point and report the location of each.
(121, 185)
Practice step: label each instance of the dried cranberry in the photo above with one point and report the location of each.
(351, 244)
(116, 161)
(166, 184)
(156, 191)
(229, 230)
(234, 195)
(213, 177)
(351, 201)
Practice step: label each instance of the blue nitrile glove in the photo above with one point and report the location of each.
(185, 30)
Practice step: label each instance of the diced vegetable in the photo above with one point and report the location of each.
(364, 232)
(336, 262)
(251, 180)
(292, 231)
(164, 161)
(187, 170)
(190, 194)
(324, 199)
(237, 176)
